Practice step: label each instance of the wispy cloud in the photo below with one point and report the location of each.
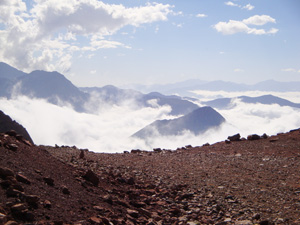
(231, 4)
(235, 26)
(247, 7)
(201, 15)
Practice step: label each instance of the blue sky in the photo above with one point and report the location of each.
(95, 43)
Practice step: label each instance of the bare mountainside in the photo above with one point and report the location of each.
(232, 182)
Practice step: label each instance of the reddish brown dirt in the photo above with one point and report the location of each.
(243, 182)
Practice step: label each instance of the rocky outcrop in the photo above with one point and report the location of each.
(13, 128)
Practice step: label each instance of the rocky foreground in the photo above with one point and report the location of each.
(231, 182)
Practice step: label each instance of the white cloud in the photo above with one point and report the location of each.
(200, 15)
(93, 72)
(248, 7)
(259, 20)
(41, 37)
(231, 4)
(179, 25)
(234, 26)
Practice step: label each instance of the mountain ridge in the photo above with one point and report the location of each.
(196, 122)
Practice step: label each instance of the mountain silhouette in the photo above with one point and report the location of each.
(226, 103)
(52, 86)
(196, 122)
(188, 87)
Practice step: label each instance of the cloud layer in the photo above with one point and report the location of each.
(110, 127)
(46, 36)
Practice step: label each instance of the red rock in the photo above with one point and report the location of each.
(49, 181)
(12, 147)
(47, 204)
(235, 137)
(95, 220)
(3, 218)
(133, 213)
(23, 179)
(91, 177)
(5, 172)
(11, 222)
(65, 190)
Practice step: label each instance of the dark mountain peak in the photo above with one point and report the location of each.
(7, 124)
(196, 122)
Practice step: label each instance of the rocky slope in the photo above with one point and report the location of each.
(7, 124)
(253, 181)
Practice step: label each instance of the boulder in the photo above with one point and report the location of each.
(23, 179)
(253, 137)
(235, 137)
(5, 172)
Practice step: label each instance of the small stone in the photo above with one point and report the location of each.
(49, 181)
(81, 155)
(12, 147)
(3, 218)
(17, 208)
(11, 222)
(91, 177)
(244, 222)
(256, 216)
(133, 213)
(23, 179)
(47, 204)
(99, 208)
(32, 199)
(95, 220)
(12, 133)
(5, 172)
(157, 150)
(65, 190)
(13, 193)
(18, 187)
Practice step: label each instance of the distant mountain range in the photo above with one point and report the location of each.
(196, 122)
(56, 89)
(185, 88)
(227, 103)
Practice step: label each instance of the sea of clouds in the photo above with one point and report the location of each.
(109, 128)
